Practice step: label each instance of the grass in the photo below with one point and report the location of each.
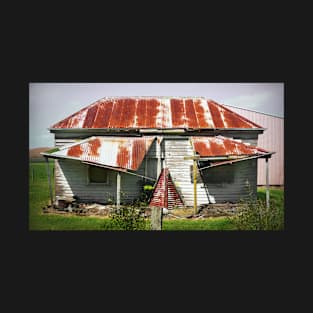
(276, 196)
(216, 223)
(39, 197)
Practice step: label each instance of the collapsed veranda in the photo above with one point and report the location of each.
(108, 150)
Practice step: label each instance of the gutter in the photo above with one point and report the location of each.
(265, 155)
(118, 169)
(149, 130)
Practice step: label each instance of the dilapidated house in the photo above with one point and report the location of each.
(108, 150)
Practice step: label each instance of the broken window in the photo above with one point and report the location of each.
(97, 175)
(224, 174)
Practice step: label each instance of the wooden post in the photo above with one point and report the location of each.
(195, 186)
(159, 155)
(267, 185)
(118, 190)
(195, 166)
(49, 180)
(156, 218)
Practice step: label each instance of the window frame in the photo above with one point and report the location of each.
(89, 182)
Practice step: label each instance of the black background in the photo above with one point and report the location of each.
(240, 270)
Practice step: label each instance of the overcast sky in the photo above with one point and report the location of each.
(52, 102)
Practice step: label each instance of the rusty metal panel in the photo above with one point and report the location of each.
(233, 119)
(122, 152)
(102, 119)
(165, 194)
(222, 146)
(155, 112)
(158, 196)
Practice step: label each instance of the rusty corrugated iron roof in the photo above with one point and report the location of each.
(165, 194)
(120, 152)
(154, 112)
(223, 146)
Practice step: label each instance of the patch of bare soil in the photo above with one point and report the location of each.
(81, 209)
(69, 207)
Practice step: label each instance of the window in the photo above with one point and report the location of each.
(97, 175)
(219, 175)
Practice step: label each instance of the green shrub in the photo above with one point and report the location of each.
(254, 215)
(145, 195)
(128, 218)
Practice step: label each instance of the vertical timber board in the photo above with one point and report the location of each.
(159, 156)
(156, 218)
(181, 170)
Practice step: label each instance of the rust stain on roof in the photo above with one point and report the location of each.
(216, 115)
(200, 112)
(141, 113)
(191, 116)
(231, 147)
(222, 146)
(122, 157)
(178, 113)
(104, 113)
(131, 106)
(152, 111)
(91, 114)
(138, 152)
(234, 119)
(75, 151)
(121, 152)
(94, 145)
(155, 112)
(216, 147)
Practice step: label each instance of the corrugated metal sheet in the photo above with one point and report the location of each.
(121, 152)
(165, 194)
(273, 140)
(152, 112)
(222, 146)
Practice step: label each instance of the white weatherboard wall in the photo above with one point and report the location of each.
(180, 169)
(272, 140)
(239, 179)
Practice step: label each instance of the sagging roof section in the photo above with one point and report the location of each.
(120, 152)
(220, 146)
(154, 113)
